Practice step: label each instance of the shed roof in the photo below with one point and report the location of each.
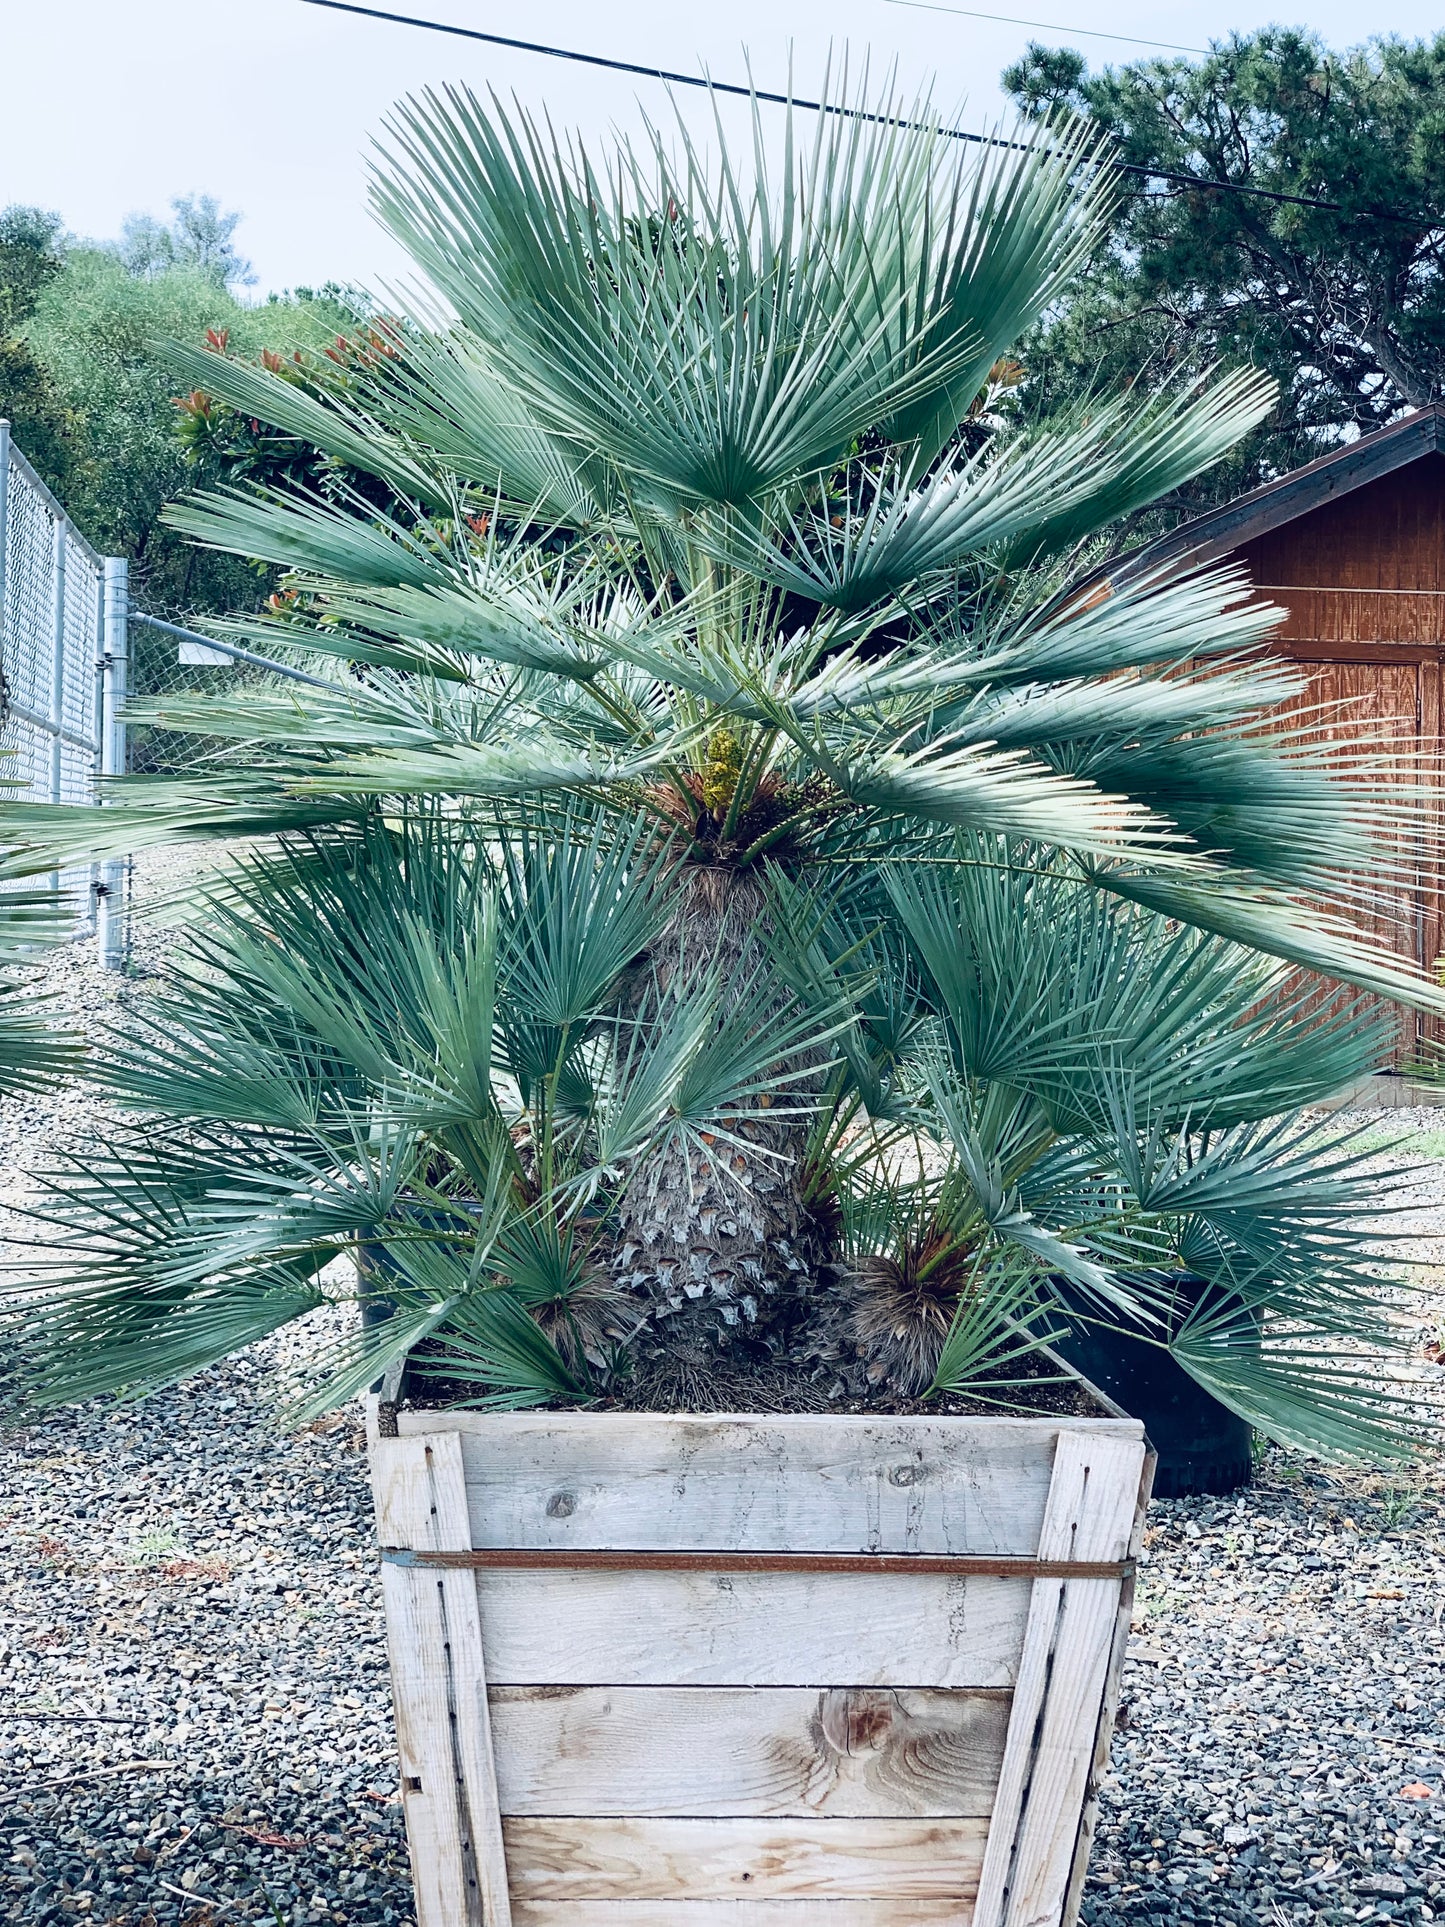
(1221, 530)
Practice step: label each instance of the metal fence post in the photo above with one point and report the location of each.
(57, 660)
(110, 891)
(4, 515)
(57, 667)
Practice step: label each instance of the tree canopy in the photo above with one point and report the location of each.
(93, 402)
(1344, 306)
(30, 257)
(198, 236)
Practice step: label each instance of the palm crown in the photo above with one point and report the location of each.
(733, 886)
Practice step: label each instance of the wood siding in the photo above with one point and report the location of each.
(1389, 534)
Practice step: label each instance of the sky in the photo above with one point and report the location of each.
(272, 107)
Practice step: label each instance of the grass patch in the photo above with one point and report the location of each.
(1403, 1142)
(153, 1547)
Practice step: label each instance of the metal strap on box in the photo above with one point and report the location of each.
(959, 1566)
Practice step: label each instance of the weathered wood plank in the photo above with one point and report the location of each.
(732, 1913)
(401, 1491)
(742, 1860)
(417, 1645)
(1065, 1746)
(1061, 1678)
(729, 1739)
(1358, 616)
(1109, 1708)
(750, 1629)
(449, 1790)
(752, 1750)
(794, 1483)
(473, 1734)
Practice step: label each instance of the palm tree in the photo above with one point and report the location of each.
(709, 618)
(1020, 1101)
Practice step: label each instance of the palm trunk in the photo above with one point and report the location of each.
(722, 1248)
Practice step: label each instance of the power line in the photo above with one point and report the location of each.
(826, 107)
(1048, 26)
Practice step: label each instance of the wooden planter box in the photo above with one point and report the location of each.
(754, 1672)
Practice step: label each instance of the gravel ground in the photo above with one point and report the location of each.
(195, 1592)
(1281, 1753)
(205, 1583)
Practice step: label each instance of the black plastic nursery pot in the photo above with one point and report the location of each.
(1203, 1447)
(377, 1271)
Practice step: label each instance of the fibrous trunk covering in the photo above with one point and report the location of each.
(719, 1243)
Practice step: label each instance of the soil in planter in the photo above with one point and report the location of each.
(774, 1389)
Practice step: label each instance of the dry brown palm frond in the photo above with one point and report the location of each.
(590, 1323)
(901, 1309)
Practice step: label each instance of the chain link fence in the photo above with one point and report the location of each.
(62, 616)
(167, 659)
(53, 642)
(70, 648)
(161, 665)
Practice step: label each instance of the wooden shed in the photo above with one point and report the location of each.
(1353, 547)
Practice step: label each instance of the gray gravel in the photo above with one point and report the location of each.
(204, 1583)
(189, 1608)
(1281, 1754)
(196, 1591)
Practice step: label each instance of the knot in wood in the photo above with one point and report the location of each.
(857, 1720)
